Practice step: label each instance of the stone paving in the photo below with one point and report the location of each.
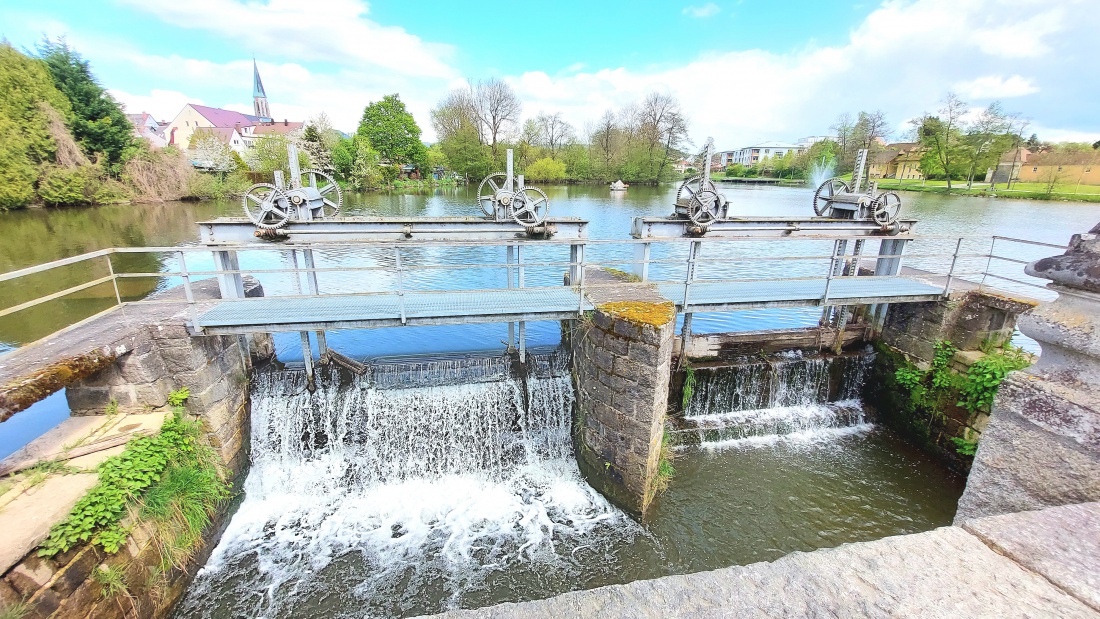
(1031, 564)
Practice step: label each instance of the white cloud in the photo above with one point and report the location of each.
(902, 59)
(709, 9)
(162, 104)
(334, 31)
(996, 87)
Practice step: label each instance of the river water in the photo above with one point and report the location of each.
(384, 497)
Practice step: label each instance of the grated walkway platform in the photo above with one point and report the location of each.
(336, 311)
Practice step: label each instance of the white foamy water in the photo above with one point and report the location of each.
(381, 502)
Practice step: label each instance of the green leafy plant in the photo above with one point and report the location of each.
(984, 378)
(145, 465)
(689, 385)
(112, 408)
(942, 377)
(964, 447)
(179, 396)
(111, 581)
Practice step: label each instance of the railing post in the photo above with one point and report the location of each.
(187, 292)
(951, 271)
(641, 260)
(833, 264)
(511, 325)
(114, 279)
(400, 282)
(307, 358)
(693, 255)
(577, 257)
(297, 273)
(988, 263)
(522, 324)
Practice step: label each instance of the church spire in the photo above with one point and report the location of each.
(259, 97)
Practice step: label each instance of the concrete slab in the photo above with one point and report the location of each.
(1061, 543)
(77, 432)
(26, 521)
(941, 573)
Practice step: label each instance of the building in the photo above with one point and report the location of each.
(809, 141)
(1075, 168)
(194, 117)
(148, 129)
(682, 166)
(1009, 166)
(751, 155)
(236, 130)
(900, 160)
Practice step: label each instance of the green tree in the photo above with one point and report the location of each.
(365, 171)
(98, 122)
(269, 154)
(17, 172)
(545, 169)
(466, 154)
(436, 158)
(313, 142)
(392, 131)
(942, 139)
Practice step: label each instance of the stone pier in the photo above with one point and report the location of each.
(1042, 445)
(622, 359)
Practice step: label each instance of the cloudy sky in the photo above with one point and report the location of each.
(744, 70)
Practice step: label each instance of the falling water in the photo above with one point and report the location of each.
(788, 398)
(414, 488)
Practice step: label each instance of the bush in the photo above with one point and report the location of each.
(62, 187)
(545, 169)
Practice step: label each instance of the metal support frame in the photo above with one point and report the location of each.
(230, 282)
(641, 261)
(400, 283)
(894, 248)
(307, 357)
(188, 293)
(951, 271)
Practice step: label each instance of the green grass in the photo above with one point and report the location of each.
(1033, 191)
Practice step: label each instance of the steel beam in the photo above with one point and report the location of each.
(237, 230)
(767, 227)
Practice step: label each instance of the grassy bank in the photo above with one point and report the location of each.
(1025, 191)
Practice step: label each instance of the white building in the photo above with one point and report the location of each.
(751, 155)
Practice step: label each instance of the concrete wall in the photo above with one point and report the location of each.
(621, 367)
(1042, 446)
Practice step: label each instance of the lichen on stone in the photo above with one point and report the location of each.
(641, 312)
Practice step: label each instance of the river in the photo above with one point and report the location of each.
(364, 499)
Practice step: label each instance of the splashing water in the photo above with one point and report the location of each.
(406, 500)
(821, 171)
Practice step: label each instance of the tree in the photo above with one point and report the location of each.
(210, 152)
(17, 172)
(553, 131)
(986, 139)
(392, 131)
(604, 139)
(1096, 145)
(313, 142)
(941, 136)
(365, 171)
(497, 108)
(98, 122)
(662, 129)
(466, 154)
(545, 169)
(844, 129)
(269, 154)
(454, 113)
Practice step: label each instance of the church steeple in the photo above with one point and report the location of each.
(259, 97)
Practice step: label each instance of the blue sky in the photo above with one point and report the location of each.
(744, 70)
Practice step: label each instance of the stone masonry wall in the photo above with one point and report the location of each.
(622, 375)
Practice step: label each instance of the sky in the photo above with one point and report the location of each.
(743, 71)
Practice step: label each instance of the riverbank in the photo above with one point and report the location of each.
(984, 191)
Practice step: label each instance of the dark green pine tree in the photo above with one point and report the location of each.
(98, 123)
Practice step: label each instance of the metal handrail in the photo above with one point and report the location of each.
(400, 264)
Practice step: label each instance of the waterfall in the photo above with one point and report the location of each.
(789, 397)
(403, 490)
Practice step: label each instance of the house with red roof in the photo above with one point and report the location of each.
(236, 130)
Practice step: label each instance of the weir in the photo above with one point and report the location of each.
(473, 472)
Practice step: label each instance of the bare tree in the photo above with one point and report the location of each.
(843, 129)
(455, 112)
(529, 138)
(497, 108)
(871, 128)
(662, 127)
(603, 137)
(554, 130)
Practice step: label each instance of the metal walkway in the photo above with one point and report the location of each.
(323, 312)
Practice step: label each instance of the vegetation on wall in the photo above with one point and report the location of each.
(169, 482)
(918, 400)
